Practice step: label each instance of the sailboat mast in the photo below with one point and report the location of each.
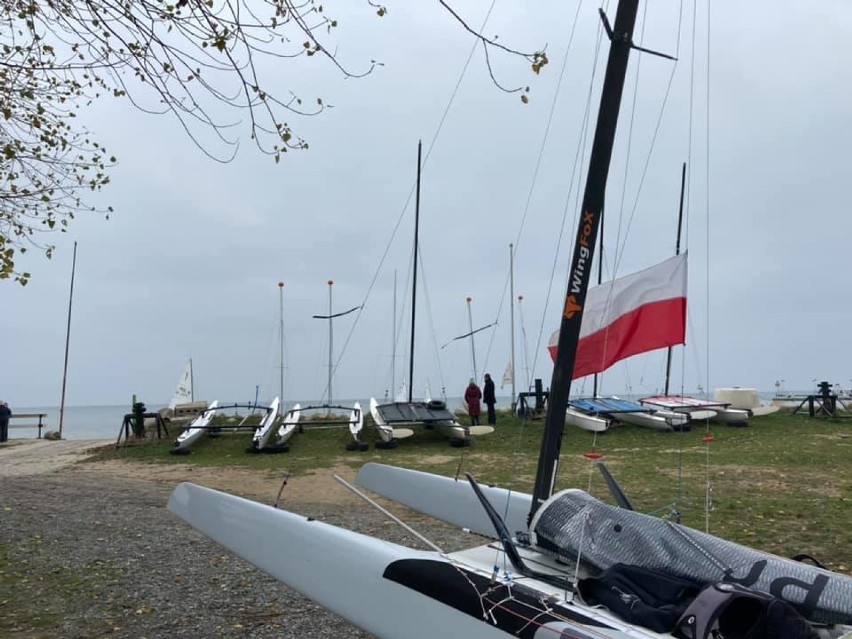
(677, 252)
(414, 281)
(600, 279)
(67, 342)
(472, 345)
(281, 348)
(393, 342)
(330, 344)
(512, 317)
(621, 38)
(191, 382)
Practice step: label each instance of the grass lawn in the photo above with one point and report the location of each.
(783, 484)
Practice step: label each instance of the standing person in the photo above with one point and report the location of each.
(5, 414)
(472, 395)
(489, 398)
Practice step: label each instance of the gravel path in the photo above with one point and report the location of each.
(88, 554)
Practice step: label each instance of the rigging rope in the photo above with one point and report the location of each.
(709, 492)
(536, 169)
(576, 171)
(429, 149)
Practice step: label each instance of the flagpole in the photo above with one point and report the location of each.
(67, 342)
(512, 315)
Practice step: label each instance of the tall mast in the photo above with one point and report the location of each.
(414, 282)
(393, 343)
(600, 280)
(677, 252)
(512, 317)
(281, 347)
(330, 344)
(67, 342)
(621, 37)
(469, 299)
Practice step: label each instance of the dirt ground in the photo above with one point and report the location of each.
(37, 457)
(88, 549)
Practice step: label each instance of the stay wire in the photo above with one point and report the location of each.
(578, 160)
(536, 170)
(575, 172)
(709, 495)
(401, 215)
(430, 317)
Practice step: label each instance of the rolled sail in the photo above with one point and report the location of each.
(572, 524)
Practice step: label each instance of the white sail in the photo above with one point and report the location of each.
(402, 393)
(183, 392)
(508, 375)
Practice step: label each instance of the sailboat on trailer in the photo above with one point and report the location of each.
(561, 551)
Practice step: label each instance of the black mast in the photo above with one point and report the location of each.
(414, 281)
(621, 37)
(677, 252)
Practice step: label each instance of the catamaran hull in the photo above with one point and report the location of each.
(388, 590)
(645, 420)
(266, 427)
(591, 423)
(194, 432)
(445, 498)
(459, 434)
(731, 417)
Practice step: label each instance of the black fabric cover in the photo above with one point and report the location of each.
(648, 598)
(737, 612)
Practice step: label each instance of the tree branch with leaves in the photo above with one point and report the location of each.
(208, 63)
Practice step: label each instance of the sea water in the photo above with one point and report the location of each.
(104, 422)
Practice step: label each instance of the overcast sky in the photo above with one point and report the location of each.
(189, 263)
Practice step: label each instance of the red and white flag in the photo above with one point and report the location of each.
(630, 315)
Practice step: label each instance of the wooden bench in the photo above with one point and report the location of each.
(39, 416)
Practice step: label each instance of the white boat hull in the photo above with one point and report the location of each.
(288, 427)
(389, 590)
(194, 431)
(646, 420)
(731, 417)
(591, 423)
(265, 428)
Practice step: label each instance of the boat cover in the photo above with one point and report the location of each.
(415, 412)
(572, 524)
(606, 405)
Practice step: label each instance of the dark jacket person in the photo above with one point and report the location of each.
(5, 414)
(489, 399)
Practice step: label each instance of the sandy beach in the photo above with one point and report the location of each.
(88, 549)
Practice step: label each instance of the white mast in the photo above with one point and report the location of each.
(281, 344)
(512, 315)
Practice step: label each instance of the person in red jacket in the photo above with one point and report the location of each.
(472, 397)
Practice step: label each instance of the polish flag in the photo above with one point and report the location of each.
(634, 314)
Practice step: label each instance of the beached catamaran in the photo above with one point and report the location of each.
(561, 565)
(393, 420)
